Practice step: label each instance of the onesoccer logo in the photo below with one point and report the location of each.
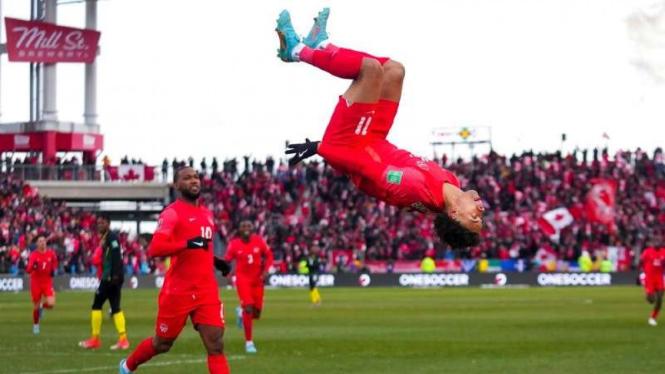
(163, 327)
(364, 280)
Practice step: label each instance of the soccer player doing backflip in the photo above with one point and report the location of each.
(355, 139)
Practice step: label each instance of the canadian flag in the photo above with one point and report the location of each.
(555, 220)
(600, 201)
(131, 172)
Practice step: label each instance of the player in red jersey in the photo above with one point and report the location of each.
(652, 261)
(190, 288)
(253, 260)
(355, 139)
(42, 264)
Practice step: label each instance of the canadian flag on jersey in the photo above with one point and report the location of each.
(555, 220)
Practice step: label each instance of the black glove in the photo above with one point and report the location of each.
(197, 243)
(222, 266)
(301, 151)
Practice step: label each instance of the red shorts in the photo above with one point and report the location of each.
(39, 287)
(653, 283)
(354, 132)
(250, 292)
(174, 310)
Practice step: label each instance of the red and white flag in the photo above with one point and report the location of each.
(555, 220)
(600, 199)
(131, 173)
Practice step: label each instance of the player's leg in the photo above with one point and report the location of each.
(393, 74)
(208, 319)
(101, 295)
(146, 350)
(245, 295)
(115, 294)
(314, 294)
(259, 293)
(171, 319)
(36, 297)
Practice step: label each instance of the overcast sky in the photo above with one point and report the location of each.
(200, 78)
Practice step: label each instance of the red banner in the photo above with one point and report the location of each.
(64, 142)
(34, 41)
(600, 201)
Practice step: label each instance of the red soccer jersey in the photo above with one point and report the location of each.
(47, 263)
(248, 256)
(653, 261)
(191, 270)
(408, 182)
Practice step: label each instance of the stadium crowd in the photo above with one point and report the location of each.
(296, 208)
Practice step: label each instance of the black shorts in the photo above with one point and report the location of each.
(313, 280)
(108, 291)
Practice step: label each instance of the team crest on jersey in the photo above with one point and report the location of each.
(256, 250)
(394, 177)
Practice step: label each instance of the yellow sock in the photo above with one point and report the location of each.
(119, 320)
(96, 322)
(312, 297)
(317, 296)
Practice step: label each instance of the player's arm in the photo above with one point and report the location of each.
(269, 258)
(163, 243)
(32, 263)
(230, 252)
(54, 263)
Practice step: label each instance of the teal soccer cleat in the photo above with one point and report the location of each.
(250, 348)
(123, 368)
(318, 33)
(288, 38)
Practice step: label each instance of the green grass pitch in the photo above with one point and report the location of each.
(368, 331)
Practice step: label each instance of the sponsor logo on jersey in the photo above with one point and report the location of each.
(394, 177)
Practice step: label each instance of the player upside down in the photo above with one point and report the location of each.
(355, 139)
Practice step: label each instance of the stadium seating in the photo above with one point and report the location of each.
(312, 204)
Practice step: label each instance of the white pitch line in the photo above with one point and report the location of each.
(101, 368)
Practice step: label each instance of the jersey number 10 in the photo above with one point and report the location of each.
(206, 232)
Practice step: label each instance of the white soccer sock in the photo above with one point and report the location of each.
(295, 54)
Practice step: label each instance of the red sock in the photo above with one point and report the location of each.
(654, 313)
(351, 52)
(47, 306)
(341, 65)
(217, 364)
(247, 320)
(143, 352)
(35, 316)
(331, 48)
